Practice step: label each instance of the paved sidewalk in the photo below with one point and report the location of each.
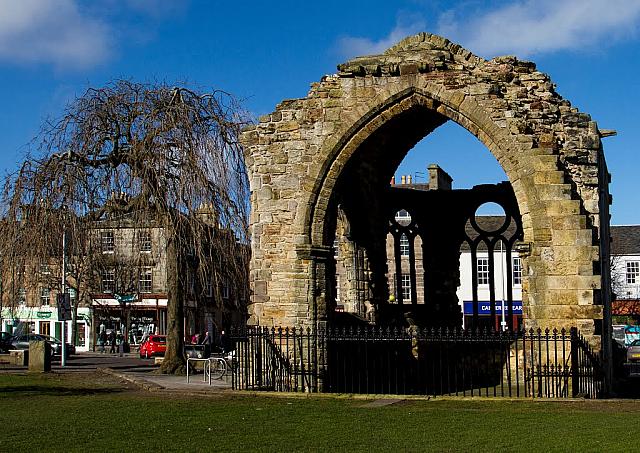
(153, 381)
(130, 367)
(144, 372)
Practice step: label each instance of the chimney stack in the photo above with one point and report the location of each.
(403, 180)
(408, 179)
(393, 180)
(438, 178)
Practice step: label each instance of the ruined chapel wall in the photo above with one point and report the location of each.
(548, 149)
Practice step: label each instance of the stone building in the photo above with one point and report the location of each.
(119, 282)
(29, 298)
(625, 273)
(133, 265)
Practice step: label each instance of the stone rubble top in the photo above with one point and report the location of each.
(422, 53)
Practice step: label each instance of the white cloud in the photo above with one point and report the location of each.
(350, 46)
(530, 27)
(51, 32)
(521, 27)
(73, 34)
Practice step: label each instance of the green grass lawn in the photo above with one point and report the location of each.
(95, 412)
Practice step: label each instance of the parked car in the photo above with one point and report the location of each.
(154, 346)
(22, 342)
(633, 351)
(5, 342)
(71, 349)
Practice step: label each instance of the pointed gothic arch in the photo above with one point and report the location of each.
(369, 114)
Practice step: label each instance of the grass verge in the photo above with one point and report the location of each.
(95, 412)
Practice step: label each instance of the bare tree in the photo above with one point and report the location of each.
(618, 277)
(132, 152)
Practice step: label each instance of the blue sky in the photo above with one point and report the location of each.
(263, 52)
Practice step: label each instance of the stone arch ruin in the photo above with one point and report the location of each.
(322, 163)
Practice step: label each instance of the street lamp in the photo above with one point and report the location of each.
(503, 284)
(63, 291)
(64, 302)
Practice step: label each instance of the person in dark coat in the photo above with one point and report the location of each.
(112, 342)
(102, 341)
(224, 342)
(206, 340)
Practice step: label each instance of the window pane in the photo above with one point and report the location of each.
(404, 245)
(146, 280)
(406, 287)
(108, 280)
(208, 289)
(107, 241)
(483, 271)
(145, 241)
(22, 296)
(633, 271)
(225, 289)
(517, 271)
(44, 296)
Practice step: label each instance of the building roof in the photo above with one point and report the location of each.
(625, 307)
(625, 240)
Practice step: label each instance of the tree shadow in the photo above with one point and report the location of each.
(45, 390)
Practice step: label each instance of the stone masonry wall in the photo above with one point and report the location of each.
(549, 150)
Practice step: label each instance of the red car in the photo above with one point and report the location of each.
(156, 345)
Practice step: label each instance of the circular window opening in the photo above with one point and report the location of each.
(490, 217)
(403, 217)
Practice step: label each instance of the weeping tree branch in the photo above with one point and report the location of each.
(132, 152)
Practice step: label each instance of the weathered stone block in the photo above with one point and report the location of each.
(39, 357)
(19, 357)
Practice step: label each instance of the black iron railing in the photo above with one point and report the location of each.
(534, 363)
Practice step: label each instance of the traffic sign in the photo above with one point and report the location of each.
(124, 298)
(64, 307)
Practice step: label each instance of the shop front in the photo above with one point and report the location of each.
(44, 320)
(130, 320)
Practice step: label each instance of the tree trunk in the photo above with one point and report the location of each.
(174, 360)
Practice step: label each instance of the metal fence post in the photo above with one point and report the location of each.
(575, 363)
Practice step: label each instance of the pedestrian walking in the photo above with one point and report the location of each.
(206, 340)
(102, 341)
(112, 342)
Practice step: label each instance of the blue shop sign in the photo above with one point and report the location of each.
(484, 307)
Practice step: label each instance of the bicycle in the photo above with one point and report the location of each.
(217, 367)
(220, 364)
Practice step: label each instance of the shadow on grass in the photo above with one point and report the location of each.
(31, 390)
(149, 368)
